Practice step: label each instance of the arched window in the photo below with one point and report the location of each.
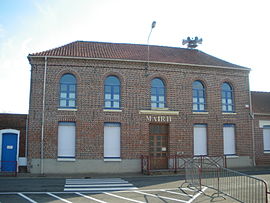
(198, 96)
(227, 98)
(158, 99)
(68, 91)
(112, 92)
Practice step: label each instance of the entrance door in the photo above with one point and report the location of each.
(9, 152)
(158, 146)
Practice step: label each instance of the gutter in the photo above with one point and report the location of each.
(141, 61)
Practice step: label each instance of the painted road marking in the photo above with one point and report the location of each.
(60, 198)
(88, 197)
(197, 195)
(97, 185)
(125, 198)
(159, 196)
(117, 194)
(25, 197)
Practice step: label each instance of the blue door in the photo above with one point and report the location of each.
(9, 152)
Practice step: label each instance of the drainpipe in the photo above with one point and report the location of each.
(43, 120)
(252, 129)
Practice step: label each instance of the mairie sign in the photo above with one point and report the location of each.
(166, 119)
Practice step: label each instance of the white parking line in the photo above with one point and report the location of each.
(197, 195)
(159, 196)
(92, 198)
(25, 197)
(177, 193)
(64, 200)
(120, 197)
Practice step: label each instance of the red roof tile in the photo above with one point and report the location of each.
(260, 102)
(137, 52)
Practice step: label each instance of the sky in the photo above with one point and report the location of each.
(232, 30)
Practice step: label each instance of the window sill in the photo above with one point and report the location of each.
(159, 112)
(266, 152)
(112, 110)
(231, 156)
(112, 159)
(160, 109)
(66, 159)
(63, 109)
(229, 113)
(200, 112)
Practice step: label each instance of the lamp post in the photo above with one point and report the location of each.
(152, 26)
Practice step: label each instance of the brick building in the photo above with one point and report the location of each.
(97, 107)
(261, 114)
(13, 138)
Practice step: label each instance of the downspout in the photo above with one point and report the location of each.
(252, 129)
(43, 119)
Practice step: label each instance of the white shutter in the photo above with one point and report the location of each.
(200, 140)
(112, 140)
(229, 139)
(266, 138)
(66, 140)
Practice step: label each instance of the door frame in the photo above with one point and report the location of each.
(168, 141)
(13, 131)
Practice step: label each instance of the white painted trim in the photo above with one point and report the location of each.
(66, 159)
(62, 109)
(231, 156)
(200, 112)
(228, 113)
(159, 112)
(113, 160)
(112, 110)
(18, 143)
(263, 122)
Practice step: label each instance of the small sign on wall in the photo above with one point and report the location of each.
(166, 119)
(9, 146)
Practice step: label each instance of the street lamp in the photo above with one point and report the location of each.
(152, 26)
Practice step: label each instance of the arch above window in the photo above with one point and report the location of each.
(198, 98)
(227, 97)
(68, 96)
(158, 93)
(112, 92)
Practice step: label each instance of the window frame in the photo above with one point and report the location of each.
(112, 87)
(200, 142)
(109, 144)
(197, 97)
(62, 147)
(226, 140)
(157, 101)
(68, 92)
(226, 98)
(266, 146)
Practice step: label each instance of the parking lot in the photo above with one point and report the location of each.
(106, 190)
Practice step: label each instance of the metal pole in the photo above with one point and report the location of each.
(153, 26)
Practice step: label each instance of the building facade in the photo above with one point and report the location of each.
(97, 107)
(261, 124)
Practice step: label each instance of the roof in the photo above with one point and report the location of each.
(135, 52)
(260, 102)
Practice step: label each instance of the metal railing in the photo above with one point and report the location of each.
(8, 168)
(177, 163)
(239, 186)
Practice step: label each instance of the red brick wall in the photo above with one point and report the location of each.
(16, 122)
(135, 96)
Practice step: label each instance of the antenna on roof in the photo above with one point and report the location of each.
(192, 43)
